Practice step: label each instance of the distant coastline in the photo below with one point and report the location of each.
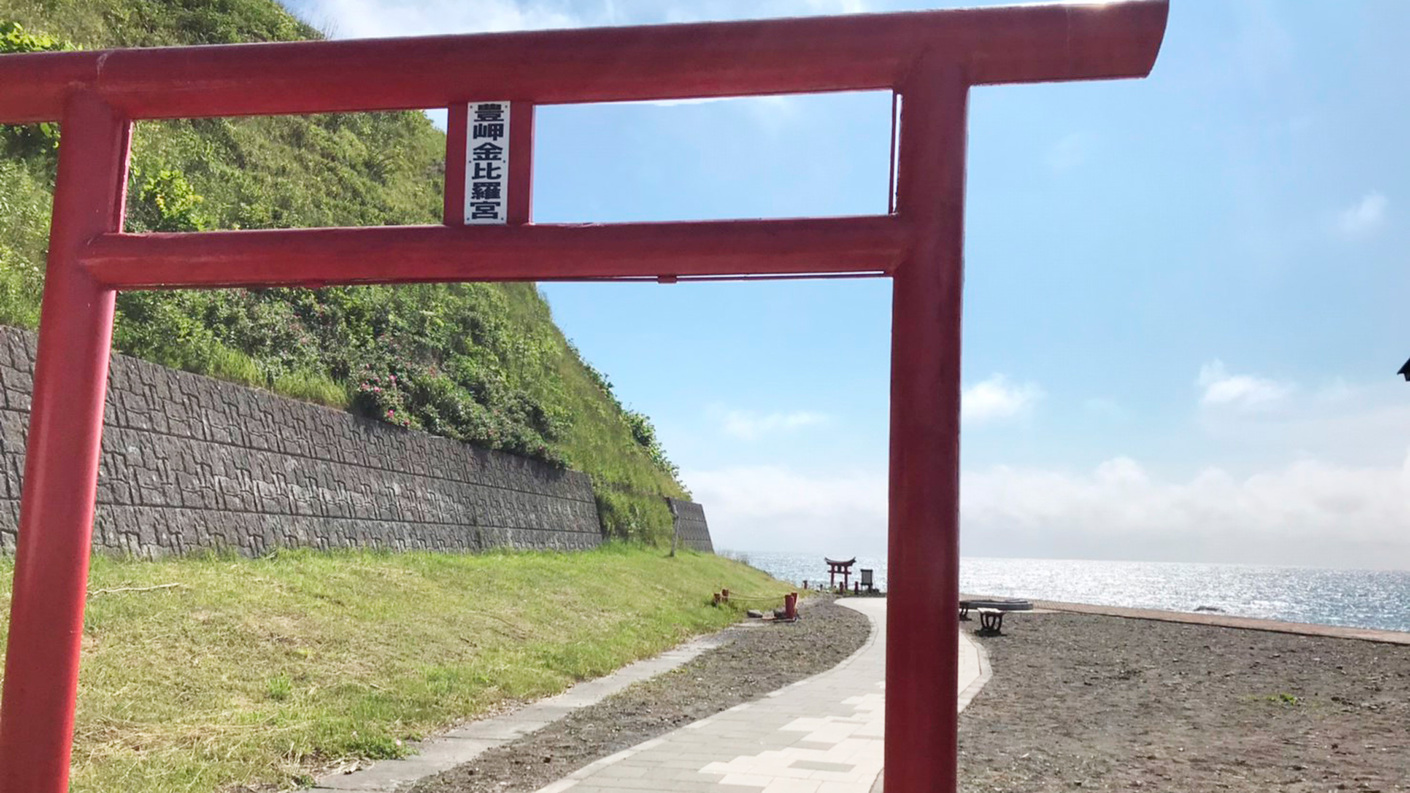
(1225, 621)
(1367, 599)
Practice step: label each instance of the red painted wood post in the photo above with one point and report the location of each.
(457, 117)
(521, 163)
(61, 463)
(922, 643)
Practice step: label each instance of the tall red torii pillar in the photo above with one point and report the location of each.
(930, 59)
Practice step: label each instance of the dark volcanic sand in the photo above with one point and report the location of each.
(1105, 703)
(757, 659)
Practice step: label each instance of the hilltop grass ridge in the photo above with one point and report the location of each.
(481, 363)
(229, 674)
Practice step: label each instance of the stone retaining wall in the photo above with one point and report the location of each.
(195, 463)
(691, 527)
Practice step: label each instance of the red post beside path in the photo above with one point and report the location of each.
(61, 463)
(922, 640)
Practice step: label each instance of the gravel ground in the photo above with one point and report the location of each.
(1105, 703)
(757, 659)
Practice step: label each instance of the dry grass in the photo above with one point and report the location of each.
(255, 673)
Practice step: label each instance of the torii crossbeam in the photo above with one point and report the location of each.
(930, 59)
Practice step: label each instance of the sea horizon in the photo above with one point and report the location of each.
(1347, 597)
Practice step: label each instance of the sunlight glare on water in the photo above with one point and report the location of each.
(1357, 598)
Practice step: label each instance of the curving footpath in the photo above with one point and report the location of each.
(463, 744)
(819, 735)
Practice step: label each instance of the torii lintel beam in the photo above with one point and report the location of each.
(1014, 44)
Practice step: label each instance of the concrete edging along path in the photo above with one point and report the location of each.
(818, 735)
(468, 741)
(974, 669)
(974, 675)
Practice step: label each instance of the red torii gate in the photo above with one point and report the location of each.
(929, 59)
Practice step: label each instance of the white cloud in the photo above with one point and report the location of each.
(1306, 512)
(1238, 390)
(1322, 482)
(1351, 424)
(835, 6)
(771, 508)
(379, 18)
(1364, 216)
(996, 399)
(698, 10)
(774, 114)
(750, 425)
(346, 19)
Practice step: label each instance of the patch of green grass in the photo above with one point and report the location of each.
(312, 387)
(226, 364)
(258, 672)
(279, 688)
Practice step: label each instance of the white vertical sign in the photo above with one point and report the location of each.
(487, 163)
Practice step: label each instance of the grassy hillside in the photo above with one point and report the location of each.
(254, 674)
(479, 362)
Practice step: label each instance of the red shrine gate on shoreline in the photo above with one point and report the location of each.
(930, 59)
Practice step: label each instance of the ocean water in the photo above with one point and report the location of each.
(1356, 598)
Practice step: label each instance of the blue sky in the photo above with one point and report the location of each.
(1184, 295)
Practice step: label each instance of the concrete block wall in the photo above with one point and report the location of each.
(691, 527)
(194, 463)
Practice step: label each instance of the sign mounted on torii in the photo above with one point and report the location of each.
(930, 59)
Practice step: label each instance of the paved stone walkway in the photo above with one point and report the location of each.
(819, 735)
(465, 743)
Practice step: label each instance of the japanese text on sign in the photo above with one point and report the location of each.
(487, 163)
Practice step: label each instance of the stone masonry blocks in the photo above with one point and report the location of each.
(191, 463)
(690, 526)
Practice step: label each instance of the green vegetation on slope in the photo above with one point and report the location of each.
(482, 363)
(259, 672)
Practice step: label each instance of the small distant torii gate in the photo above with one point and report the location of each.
(929, 59)
(836, 568)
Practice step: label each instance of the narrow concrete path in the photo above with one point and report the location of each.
(819, 735)
(465, 743)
